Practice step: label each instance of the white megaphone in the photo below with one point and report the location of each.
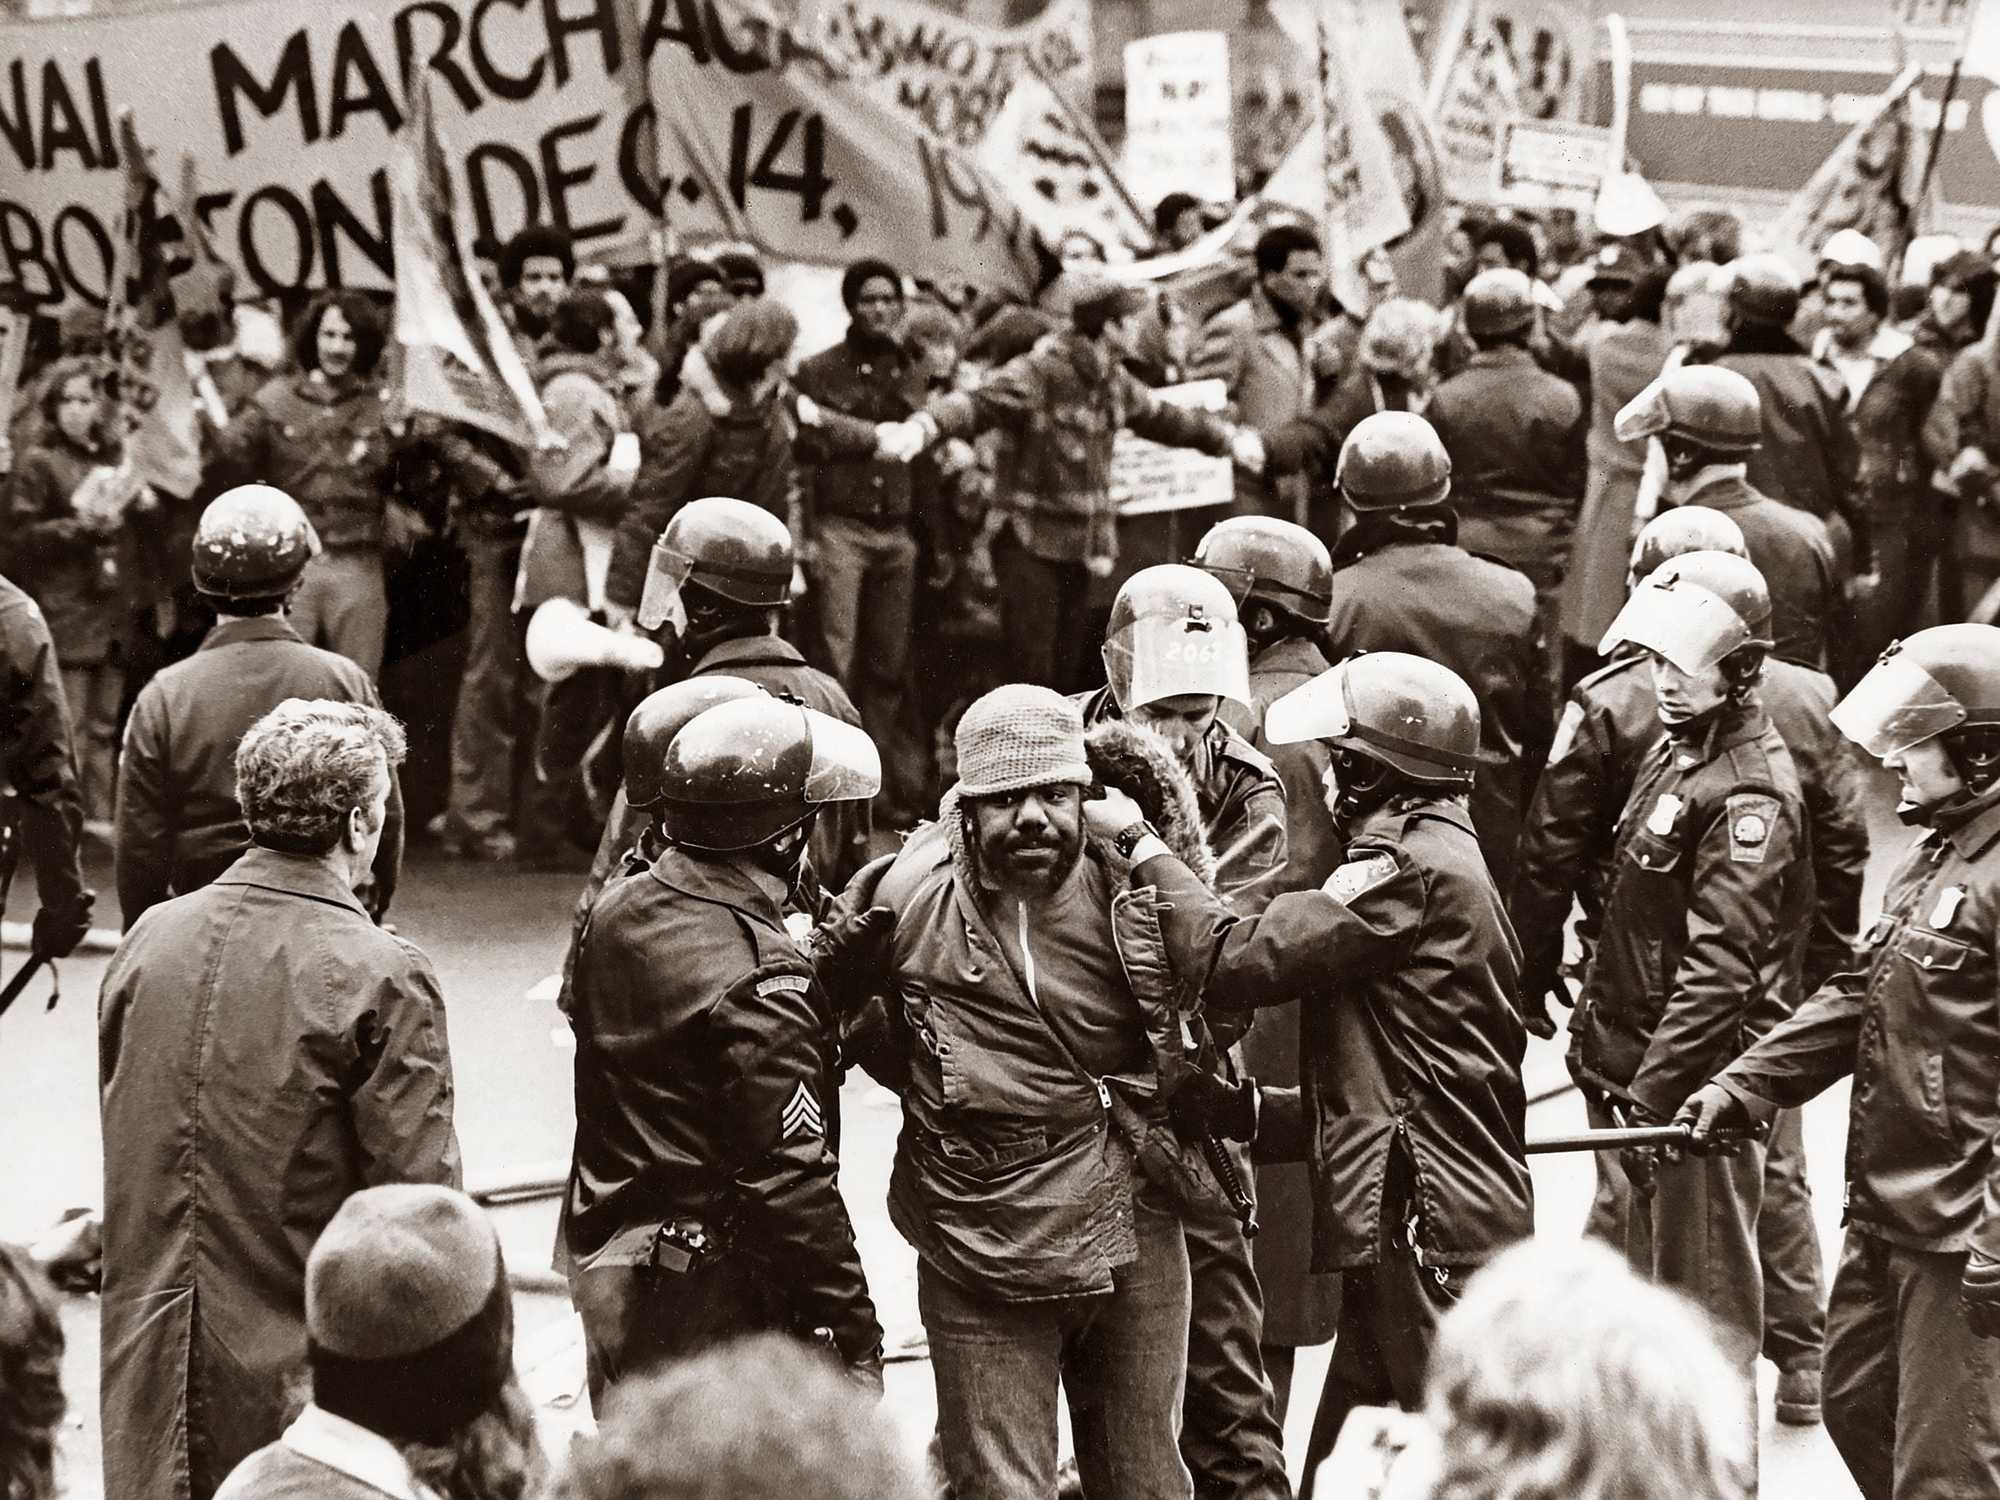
(563, 640)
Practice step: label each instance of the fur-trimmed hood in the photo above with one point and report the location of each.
(1138, 763)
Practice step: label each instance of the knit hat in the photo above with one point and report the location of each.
(685, 276)
(860, 274)
(751, 338)
(1099, 298)
(1020, 736)
(409, 1319)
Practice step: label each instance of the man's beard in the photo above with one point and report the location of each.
(495, 1456)
(1037, 877)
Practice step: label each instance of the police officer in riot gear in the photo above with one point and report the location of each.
(1174, 653)
(703, 1202)
(1912, 1386)
(179, 825)
(1401, 582)
(1406, 968)
(1699, 950)
(1608, 726)
(1283, 576)
(1709, 424)
(41, 803)
(649, 730)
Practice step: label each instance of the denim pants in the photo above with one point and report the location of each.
(1232, 1437)
(866, 578)
(490, 701)
(342, 605)
(1120, 1357)
(1912, 1394)
(1044, 608)
(93, 691)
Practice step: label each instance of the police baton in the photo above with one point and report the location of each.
(1679, 1137)
(1240, 1202)
(27, 971)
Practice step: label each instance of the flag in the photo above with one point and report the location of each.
(785, 153)
(149, 383)
(1869, 182)
(1397, 95)
(1473, 95)
(458, 357)
(1054, 166)
(1364, 204)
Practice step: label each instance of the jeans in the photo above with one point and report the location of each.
(1912, 1394)
(867, 579)
(342, 604)
(1231, 1435)
(1043, 609)
(489, 694)
(93, 692)
(1120, 1357)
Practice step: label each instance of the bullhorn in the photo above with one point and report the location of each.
(563, 640)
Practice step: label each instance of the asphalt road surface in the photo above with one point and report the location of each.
(496, 936)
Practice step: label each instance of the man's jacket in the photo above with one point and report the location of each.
(1064, 405)
(1515, 434)
(325, 443)
(1404, 587)
(1266, 367)
(1809, 456)
(1312, 846)
(179, 825)
(871, 379)
(1611, 722)
(1698, 953)
(1794, 553)
(1919, 1031)
(264, 1051)
(1405, 969)
(36, 761)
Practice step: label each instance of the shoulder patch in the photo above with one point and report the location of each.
(1359, 875)
(1566, 729)
(1751, 819)
(784, 984)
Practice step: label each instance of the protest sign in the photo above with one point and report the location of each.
(1177, 116)
(1474, 94)
(1551, 164)
(290, 110)
(1053, 166)
(1147, 477)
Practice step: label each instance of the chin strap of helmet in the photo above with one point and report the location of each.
(783, 853)
(1364, 784)
(1975, 755)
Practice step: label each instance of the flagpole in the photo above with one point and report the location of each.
(1937, 133)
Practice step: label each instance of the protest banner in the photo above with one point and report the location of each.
(1054, 167)
(458, 359)
(14, 325)
(1551, 164)
(1363, 200)
(1147, 477)
(1177, 116)
(1474, 93)
(953, 75)
(291, 110)
(1871, 182)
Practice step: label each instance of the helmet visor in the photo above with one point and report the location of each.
(1156, 658)
(1688, 625)
(1239, 581)
(1317, 710)
(1645, 415)
(661, 603)
(1897, 705)
(846, 767)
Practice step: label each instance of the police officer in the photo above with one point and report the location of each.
(1283, 576)
(1912, 1374)
(1401, 582)
(41, 802)
(703, 1202)
(1412, 1116)
(1610, 723)
(1698, 952)
(1708, 424)
(179, 825)
(1173, 654)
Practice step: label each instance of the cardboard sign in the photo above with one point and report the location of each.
(1147, 477)
(1551, 164)
(1177, 116)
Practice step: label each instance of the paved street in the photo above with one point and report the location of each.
(496, 937)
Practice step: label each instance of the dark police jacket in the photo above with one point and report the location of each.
(1611, 721)
(1793, 552)
(1919, 1030)
(178, 822)
(1406, 969)
(707, 1085)
(36, 762)
(1707, 897)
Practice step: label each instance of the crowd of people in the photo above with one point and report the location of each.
(1232, 887)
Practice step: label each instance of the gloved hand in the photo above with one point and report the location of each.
(1979, 1295)
(850, 953)
(1642, 1163)
(1708, 1110)
(58, 929)
(1207, 1105)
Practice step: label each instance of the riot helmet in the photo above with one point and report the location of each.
(1174, 633)
(1499, 302)
(1393, 460)
(651, 727)
(1705, 406)
(743, 773)
(1685, 528)
(252, 542)
(733, 549)
(1944, 681)
(1262, 560)
(1409, 713)
(1698, 611)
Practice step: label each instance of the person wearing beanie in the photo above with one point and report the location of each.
(410, 1341)
(1041, 1264)
(741, 274)
(856, 518)
(1064, 403)
(265, 1052)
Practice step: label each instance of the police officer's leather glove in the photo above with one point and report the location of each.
(1979, 1295)
(1204, 1104)
(850, 953)
(1642, 1163)
(1709, 1110)
(58, 929)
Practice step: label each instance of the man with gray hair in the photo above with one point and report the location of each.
(265, 1050)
